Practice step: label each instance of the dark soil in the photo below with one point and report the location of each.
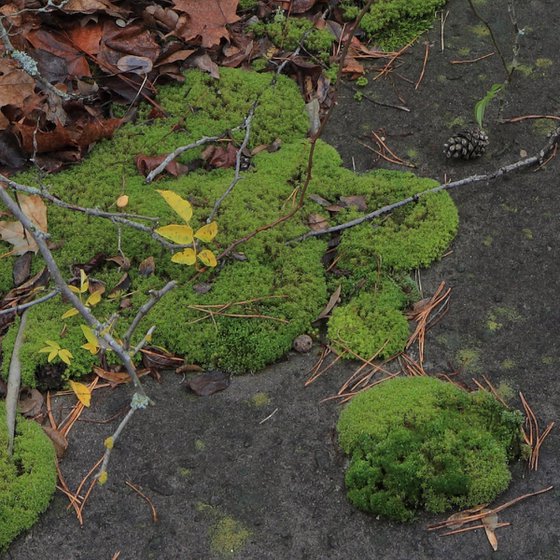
(201, 459)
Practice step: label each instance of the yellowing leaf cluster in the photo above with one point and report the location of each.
(183, 234)
(55, 350)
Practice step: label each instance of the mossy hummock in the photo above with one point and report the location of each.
(420, 443)
(27, 479)
(279, 287)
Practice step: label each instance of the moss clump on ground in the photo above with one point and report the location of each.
(27, 479)
(421, 443)
(371, 323)
(228, 536)
(287, 33)
(280, 287)
(393, 23)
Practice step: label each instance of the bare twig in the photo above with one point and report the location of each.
(237, 177)
(142, 495)
(505, 170)
(14, 381)
(155, 296)
(114, 438)
(424, 64)
(472, 60)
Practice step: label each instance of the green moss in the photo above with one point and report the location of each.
(544, 127)
(259, 400)
(371, 323)
(480, 30)
(543, 63)
(287, 33)
(27, 479)
(420, 443)
(488, 240)
(508, 363)
(469, 360)
(245, 5)
(228, 536)
(524, 69)
(393, 23)
(199, 445)
(464, 51)
(548, 360)
(280, 287)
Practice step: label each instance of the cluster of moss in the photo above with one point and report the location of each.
(288, 33)
(421, 443)
(27, 479)
(393, 23)
(282, 287)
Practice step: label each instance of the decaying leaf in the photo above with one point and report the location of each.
(220, 156)
(205, 21)
(208, 383)
(490, 523)
(147, 266)
(30, 403)
(113, 377)
(317, 222)
(333, 300)
(59, 440)
(354, 201)
(158, 358)
(13, 232)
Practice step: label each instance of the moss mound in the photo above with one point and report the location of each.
(421, 443)
(272, 290)
(27, 479)
(393, 23)
(372, 322)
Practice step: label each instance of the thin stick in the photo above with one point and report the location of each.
(421, 77)
(141, 494)
(269, 416)
(74, 501)
(23, 306)
(474, 527)
(472, 60)
(526, 117)
(505, 170)
(84, 480)
(443, 19)
(478, 516)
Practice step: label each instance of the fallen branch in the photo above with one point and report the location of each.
(505, 170)
(23, 306)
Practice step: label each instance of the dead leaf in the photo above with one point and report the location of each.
(317, 222)
(59, 440)
(22, 268)
(120, 261)
(188, 368)
(205, 21)
(145, 164)
(490, 523)
(30, 403)
(121, 287)
(15, 84)
(205, 63)
(355, 201)
(147, 266)
(136, 64)
(208, 383)
(418, 307)
(319, 200)
(158, 358)
(331, 304)
(13, 232)
(113, 377)
(220, 156)
(202, 287)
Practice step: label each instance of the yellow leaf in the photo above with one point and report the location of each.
(181, 234)
(70, 313)
(84, 284)
(122, 201)
(108, 442)
(74, 289)
(188, 256)
(92, 344)
(208, 258)
(52, 355)
(102, 478)
(65, 355)
(50, 346)
(207, 232)
(94, 298)
(180, 205)
(83, 392)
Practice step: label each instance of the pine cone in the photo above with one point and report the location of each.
(467, 144)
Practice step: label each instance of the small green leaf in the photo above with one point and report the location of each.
(480, 107)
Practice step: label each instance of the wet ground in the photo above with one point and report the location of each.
(222, 476)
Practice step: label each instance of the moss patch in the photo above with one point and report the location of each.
(393, 23)
(420, 443)
(258, 400)
(284, 285)
(228, 536)
(27, 479)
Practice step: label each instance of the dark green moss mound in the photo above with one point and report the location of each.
(393, 23)
(371, 323)
(27, 479)
(420, 443)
